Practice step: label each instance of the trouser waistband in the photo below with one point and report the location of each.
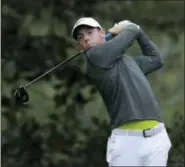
(145, 133)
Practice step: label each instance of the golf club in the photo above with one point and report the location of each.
(21, 95)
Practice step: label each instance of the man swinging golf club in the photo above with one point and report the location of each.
(138, 136)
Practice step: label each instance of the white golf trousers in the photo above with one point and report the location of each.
(131, 148)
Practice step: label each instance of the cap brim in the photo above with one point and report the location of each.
(74, 32)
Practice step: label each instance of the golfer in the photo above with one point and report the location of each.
(139, 136)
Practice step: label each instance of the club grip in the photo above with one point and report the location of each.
(108, 36)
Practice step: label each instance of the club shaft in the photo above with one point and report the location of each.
(107, 37)
(52, 69)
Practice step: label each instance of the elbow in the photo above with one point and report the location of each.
(159, 60)
(161, 64)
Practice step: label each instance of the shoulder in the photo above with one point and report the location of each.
(92, 70)
(97, 50)
(97, 56)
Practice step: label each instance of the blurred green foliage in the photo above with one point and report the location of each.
(65, 123)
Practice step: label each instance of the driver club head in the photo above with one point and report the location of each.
(21, 96)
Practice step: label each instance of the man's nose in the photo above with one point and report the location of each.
(86, 37)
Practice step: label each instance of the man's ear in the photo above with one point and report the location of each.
(103, 32)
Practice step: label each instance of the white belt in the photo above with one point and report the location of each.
(145, 133)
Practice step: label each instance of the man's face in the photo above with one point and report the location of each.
(88, 37)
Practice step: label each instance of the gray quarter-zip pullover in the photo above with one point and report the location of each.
(121, 80)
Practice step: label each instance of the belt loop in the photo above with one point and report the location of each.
(126, 133)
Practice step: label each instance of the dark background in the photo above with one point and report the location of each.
(65, 123)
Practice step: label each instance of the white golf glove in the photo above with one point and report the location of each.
(127, 22)
(119, 27)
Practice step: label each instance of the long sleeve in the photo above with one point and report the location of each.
(151, 59)
(104, 55)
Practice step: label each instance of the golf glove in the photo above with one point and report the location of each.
(127, 23)
(21, 96)
(119, 27)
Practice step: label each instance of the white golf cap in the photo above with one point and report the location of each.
(88, 21)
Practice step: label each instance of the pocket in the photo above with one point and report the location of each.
(112, 148)
(169, 143)
(167, 139)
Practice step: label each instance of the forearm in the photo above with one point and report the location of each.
(151, 59)
(124, 40)
(147, 46)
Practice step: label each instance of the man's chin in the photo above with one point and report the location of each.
(92, 45)
(88, 48)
